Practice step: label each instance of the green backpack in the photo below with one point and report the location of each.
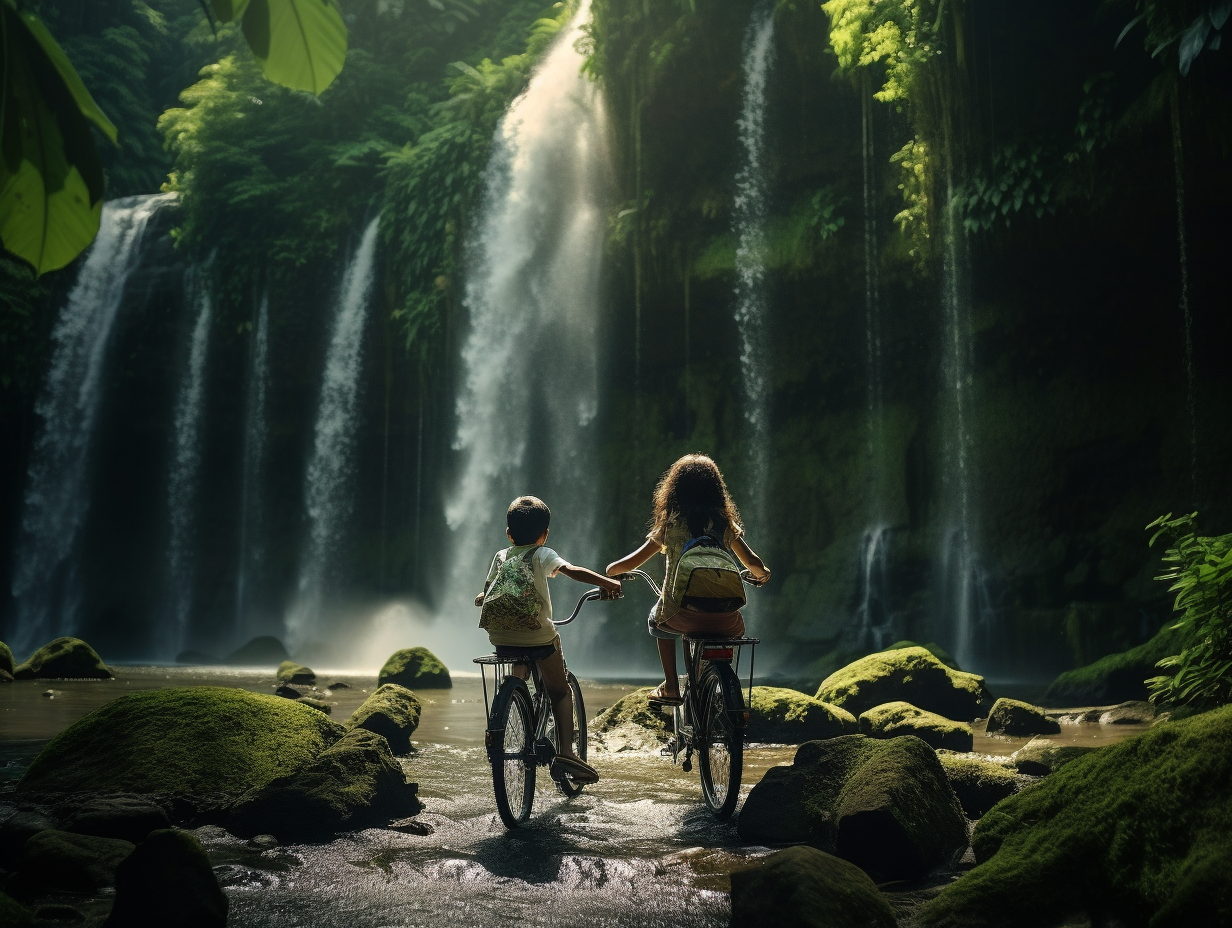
(512, 602)
(706, 577)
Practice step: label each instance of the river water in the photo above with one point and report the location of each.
(636, 849)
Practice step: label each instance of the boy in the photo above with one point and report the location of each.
(518, 619)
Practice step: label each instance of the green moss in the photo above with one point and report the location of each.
(6, 658)
(1040, 757)
(979, 784)
(57, 860)
(415, 667)
(802, 886)
(63, 659)
(782, 716)
(195, 739)
(291, 672)
(1138, 831)
(1117, 677)
(13, 914)
(910, 675)
(632, 722)
(1014, 717)
(902, 718)
(932, 648)
(393, 712)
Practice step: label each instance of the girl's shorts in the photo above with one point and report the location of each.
(721, 625)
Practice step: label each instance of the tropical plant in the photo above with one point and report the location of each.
(1167, 23)
(1200, 571)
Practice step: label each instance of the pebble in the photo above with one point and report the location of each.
(263, 842)
(49, 694)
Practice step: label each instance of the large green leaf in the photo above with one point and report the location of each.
(300, 44)
(72, 81)
(228, 10)
(51, 183)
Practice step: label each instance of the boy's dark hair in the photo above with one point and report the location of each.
(527, 519)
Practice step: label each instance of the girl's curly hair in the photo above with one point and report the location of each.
(693, 489)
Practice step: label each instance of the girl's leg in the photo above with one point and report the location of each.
(667, 656)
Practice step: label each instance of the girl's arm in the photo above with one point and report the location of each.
(634, 559)
(748, 557)
(582, 575)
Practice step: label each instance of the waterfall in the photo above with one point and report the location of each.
(185, 475)
(874, 618)
(529, 391)
(331, 467)
(1191, 401)
(252, 511)
(58, 492)
(872, 316)
(750, 227)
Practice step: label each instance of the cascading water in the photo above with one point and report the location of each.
(58, 492)
(252, 510)
(529, 392)
(331, 467)
(875, 621)
(750, 227)
(185, 478)
(1191, 400)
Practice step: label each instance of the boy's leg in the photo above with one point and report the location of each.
(552, 669)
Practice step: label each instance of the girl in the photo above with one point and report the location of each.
(690, 500)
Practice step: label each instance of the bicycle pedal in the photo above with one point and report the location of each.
(687, 766)
(668, 749)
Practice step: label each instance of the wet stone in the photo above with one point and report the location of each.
(58, 915)
(263, 842)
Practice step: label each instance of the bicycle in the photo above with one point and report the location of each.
(521, 733)
(713, 717)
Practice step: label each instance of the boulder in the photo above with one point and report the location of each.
(355, 783)
(197, 658)
(129, 818)
(319, 704)
(415, 668)
(63, 659)
(167, 880)
(54, 861)
(932, 648)
(1134, 712)
(802, 887)
(979, 784)
(901, 718)
(1135, 833)
(1040, 757)
(287, 692)
(59, 914)
(907, 675)
(182, 740)
(392, 712)
(295, 674)
(1014, 717)
(632, 724)
(265, 651)
(1117, 677)
(13, 914)
(6, 659)
(886, 806)
(782, 716)
(5, 677)
(17, 829)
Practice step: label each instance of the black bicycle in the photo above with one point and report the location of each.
(713, 717)
(521, 733)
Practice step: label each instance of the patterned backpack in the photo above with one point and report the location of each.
(511, 602)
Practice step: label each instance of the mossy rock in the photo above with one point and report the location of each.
(63, 659)
(355, 783)
(415, 667)
(295, 674)
(1040, 757)
(1117, 677)
(802, 887)
(1133, 712)
(901, 718)
(56, 861)
(129, 818)
(319, 704)
(782, 716)
(906, 675)
(182, 740)
(1138, 832)
(632, 723)
(16, 830)
(1014, 717)
(6, 659)
(166, 881)
(264, 651)
(932, 648)
(979, 784)
(886, 806)
(393, 712)
(13, 914)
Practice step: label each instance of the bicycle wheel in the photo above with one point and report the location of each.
(511, 750)
(565, 785)
(720, 741)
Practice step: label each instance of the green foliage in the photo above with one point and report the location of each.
(903, 36)
(1020, 176)
(1192, 26)
(1200, 571)
(299, 44)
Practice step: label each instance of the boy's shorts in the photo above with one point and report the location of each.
(721, 625)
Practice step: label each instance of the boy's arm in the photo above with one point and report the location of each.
(748, 557)
(634, 559)
(582, 575)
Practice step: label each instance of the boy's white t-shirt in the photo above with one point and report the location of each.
(544, 562)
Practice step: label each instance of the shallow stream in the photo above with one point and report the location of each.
(636, 849)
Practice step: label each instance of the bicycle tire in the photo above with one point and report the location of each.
(511, 751)
(720, 740)
(566, 786)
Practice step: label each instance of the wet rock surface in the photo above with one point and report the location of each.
(911, 675)
(802, 887)
(294, 674)
(980, 783)
(393, 712)
(64, 658)
(901, 718)
(168, 881)
(57, 860)
(130, 818)
(1014, 717)
(415, 668)
(17, 829)
(784, 716)
(632, 724)
(1040, 756)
